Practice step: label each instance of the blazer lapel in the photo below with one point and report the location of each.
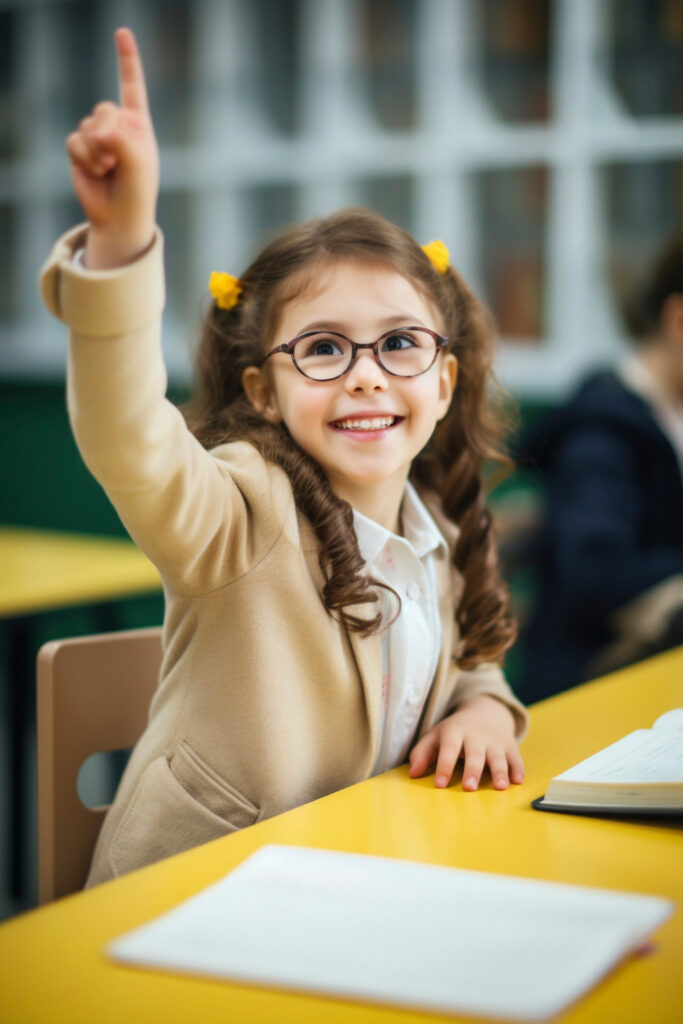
(440, 693)
(367, 651)
(449, 585)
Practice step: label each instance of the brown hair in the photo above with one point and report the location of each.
(449, 467)
(643, 309)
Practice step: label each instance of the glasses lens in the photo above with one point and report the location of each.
(322, 356)
(407, 353)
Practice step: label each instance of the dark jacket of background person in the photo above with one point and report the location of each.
(612, 529)
(611, 465)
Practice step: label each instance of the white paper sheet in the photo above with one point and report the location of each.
(398, 932)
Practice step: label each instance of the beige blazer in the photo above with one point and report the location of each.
(264, 701)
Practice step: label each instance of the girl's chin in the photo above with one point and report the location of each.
(368, 476)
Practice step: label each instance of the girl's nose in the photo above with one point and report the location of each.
(366, 375)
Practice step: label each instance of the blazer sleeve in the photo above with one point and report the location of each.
(203, 518)
(487, 680)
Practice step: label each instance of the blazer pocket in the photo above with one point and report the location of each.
(177, 804)
(215, 794)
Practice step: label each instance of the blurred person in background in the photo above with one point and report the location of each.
(609, 552)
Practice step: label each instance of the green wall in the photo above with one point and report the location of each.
(44, 481)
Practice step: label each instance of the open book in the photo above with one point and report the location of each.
(639, 774)
(390, 931)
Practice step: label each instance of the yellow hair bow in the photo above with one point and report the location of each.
(438, 255)
(225, 289)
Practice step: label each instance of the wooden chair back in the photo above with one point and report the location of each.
(93, 695)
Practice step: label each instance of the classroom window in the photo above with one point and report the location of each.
(643, 203)
(512, 206)
(271, 208)
(275, 61)
(71, 90)
(647, 58)
(8, 278)
(174, 215)
(391, 196)
(515, 57)
(387, 61)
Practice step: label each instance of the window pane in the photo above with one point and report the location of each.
(174, 217)
(387, 71)
(74, 72)
(643, 206)
(65, 214)
(513, 211)
(11, 113)
(392, 197)
(168, 68)
(271, 209)
(8, 279)
(275, 60)
(648, 55)
(515, 54)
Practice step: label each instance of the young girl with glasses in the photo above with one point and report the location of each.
(333, 601)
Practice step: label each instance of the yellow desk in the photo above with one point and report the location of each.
(52, 966)
(40, 571)
(43, 570)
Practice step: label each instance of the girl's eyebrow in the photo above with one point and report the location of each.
(402, 320)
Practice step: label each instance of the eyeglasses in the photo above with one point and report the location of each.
(327, 355)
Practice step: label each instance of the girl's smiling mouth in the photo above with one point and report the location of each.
(366, 424)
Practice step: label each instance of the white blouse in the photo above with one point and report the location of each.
(411, 645)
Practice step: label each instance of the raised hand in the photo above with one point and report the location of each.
(115, 166)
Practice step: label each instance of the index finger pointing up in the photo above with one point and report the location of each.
(132, 88)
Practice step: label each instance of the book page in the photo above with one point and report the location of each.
(645, 756)
(670, 720)
(389, 931)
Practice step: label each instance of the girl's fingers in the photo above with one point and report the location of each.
(106, 111)
(423, 755)
(132, 87)
(498, 766)
(85, 156)
(516, 765)
(475, 759)
(449, 752)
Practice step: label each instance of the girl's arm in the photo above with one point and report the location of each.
(202, 518)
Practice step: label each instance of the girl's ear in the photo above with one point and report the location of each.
(261, 394)
(448, 376)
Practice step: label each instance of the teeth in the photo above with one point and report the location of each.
(380, 423)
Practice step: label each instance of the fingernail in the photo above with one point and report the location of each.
(471, 783)
(441, 780)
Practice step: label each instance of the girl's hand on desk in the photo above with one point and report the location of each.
(115, 166)
(481, 732)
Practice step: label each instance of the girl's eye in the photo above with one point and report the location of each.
(397, 342)
(320, 347)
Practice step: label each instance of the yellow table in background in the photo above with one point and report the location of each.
(52, 961)
(41, 571)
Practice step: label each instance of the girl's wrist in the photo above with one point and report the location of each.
(489, 706)
(106, 250)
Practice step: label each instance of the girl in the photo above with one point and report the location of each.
(321, 624)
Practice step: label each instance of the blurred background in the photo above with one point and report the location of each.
(542, 140)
